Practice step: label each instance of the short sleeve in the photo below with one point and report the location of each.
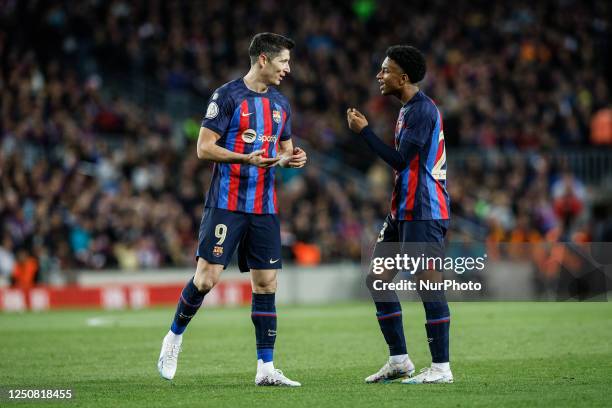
(286, 135)
(418, 125)
(219, 111)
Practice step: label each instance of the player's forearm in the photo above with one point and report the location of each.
(285, 158)
(218, 154)
(285, 152)
(391, 156)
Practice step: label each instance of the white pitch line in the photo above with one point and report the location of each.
(100, 321)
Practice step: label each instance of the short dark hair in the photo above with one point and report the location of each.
(269, 44)
(410, 59)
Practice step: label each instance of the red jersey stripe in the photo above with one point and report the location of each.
(232, 201)
(412, 186)
(394, 197)
(441, 200)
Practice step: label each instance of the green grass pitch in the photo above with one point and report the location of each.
(503, 354)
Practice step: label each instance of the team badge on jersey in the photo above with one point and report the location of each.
(217, 251)
(276, 116)
(249, 136)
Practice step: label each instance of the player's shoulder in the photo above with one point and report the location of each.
(222, 100)
(277, 95)
(228, 89)
(421, 106)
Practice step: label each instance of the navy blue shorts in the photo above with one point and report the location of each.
(257, 237)
(413, 231)
(415, 238)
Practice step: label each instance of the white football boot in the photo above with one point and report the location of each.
(392, 371)
(267, 375)
(168, 357)
(431, 375)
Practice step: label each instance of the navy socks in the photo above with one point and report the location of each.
(389, 315)
(263, 315)
(189, 303)
(437, 315)
(437, 327)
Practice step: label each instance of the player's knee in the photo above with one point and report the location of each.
(206, 278)
(369, 280)
(205, 283)
(265, 285)
(428, 287)
(374, 285)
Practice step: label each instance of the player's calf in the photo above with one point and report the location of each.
(190, 300)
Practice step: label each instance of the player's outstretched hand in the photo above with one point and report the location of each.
(356, 120)
(256, 158)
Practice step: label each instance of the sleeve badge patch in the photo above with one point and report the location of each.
(212, 111)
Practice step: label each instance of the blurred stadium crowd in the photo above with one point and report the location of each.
(95, 173)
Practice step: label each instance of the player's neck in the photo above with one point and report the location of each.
(407, 93)
(254, 83)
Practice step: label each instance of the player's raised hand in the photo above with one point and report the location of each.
(256, 158)
(356, 120)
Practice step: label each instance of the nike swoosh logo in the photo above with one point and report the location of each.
(247, 114)
(274, 260)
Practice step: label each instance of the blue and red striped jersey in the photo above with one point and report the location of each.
(420, 189)
(246, 121)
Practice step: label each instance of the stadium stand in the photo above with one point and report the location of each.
(100, 102)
